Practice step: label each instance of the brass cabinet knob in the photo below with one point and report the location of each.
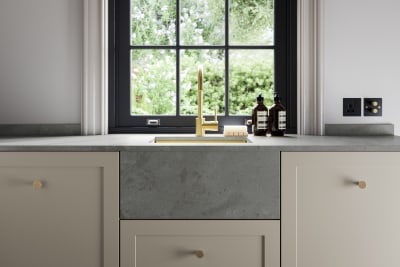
(199, 253)
(362, 184)
(37, 184)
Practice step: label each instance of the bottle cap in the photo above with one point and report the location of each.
(277, 97)
(260, 98)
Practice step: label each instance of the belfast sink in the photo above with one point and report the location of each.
(201, 140)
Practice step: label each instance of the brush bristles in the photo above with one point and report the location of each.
(235, 130)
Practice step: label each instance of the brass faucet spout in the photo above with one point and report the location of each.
(200, 91)
(201, 124)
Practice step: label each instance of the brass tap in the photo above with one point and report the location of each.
(201, 124)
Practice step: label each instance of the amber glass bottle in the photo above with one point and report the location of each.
(260, 117)
(277, 118)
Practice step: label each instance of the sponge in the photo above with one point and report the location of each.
(235, 130)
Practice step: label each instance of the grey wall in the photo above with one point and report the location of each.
(41, 44)
(41, 56)
(361, 57)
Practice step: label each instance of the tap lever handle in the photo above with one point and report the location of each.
(215, 115)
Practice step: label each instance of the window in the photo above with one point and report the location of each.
(246, 47)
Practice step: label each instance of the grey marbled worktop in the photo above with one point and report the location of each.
(143, 142)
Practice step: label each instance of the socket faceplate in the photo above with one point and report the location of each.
(351, 106)
(372, 106)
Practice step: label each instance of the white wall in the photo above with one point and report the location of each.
(40, 61)
(361, 57)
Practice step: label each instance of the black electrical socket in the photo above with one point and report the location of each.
(351, 106)
(372, 106)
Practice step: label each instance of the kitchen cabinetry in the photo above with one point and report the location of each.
(340, 209)
(233, 243)
(59, 209)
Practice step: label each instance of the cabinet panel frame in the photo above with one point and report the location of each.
(268, 229)
(342, 203)
(109, 164)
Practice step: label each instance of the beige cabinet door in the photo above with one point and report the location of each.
(340, 209)
(200, 243)
(59, 209)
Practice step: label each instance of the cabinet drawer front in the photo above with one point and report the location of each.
(340, 209)
(199, 244)
(191, 250)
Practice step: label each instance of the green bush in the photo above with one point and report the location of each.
(153, 92)
(247, 81)
(153, 75)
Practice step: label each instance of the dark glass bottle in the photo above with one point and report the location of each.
(277, 118)
(260, 117)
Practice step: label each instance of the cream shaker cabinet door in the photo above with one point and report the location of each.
(340, 209)
(232, 243)
(59, 209)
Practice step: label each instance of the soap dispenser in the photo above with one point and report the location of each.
(277, 118)
(260, 117)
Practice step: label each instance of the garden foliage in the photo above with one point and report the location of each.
(202, 23)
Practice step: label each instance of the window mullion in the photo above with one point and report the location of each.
(226, 58)
(178, 58)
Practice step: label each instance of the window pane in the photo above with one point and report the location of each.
(213, 81)
(153, 82)
(153, 22)
(251, 22)
(251, 73)
(202, 22)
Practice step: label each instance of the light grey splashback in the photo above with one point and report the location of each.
(358, 129)
(40, 129)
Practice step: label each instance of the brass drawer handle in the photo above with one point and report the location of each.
(362, 184)
(199, 253)
(37, 184)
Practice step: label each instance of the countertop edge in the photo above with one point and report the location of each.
(116, 143)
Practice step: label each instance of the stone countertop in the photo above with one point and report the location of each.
(143, 142)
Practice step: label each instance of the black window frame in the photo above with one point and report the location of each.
(120, 120)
